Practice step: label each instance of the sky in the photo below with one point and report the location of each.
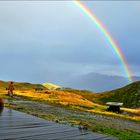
(54, 41)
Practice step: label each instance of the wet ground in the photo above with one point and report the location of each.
(67, 116)
(18, 125)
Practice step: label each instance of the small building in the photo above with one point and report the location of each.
(114, 106)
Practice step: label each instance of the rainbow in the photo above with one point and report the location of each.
(108, 37)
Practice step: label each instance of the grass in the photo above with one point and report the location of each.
(75, 120)
(77, 100)
(51, 86)
(129, 95)
(57, 97)
(121, 134)
(20, 85)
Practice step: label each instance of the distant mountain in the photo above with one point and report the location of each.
(129, 95)
(136, 78)
(50, 86)
(97, 82)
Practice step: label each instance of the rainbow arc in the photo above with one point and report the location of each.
(108, 37)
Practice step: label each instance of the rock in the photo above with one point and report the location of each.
(80, 127)
(57, 121)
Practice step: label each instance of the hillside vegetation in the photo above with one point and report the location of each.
(89, 95)
(21, 85)
(50, 86)
(71, 98)
(129, 95)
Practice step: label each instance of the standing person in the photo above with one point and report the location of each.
(10, 89)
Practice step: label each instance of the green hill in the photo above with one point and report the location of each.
(21, 85)
(50, 86)
(129, 95)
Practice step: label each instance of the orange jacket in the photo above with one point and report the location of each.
(11, 87)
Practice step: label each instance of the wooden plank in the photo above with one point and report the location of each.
(91, 136)
(32, 133)
(16, 125)
(57, 135)
(85, 136)
(22, 124)
(33, 129)
(67, 135)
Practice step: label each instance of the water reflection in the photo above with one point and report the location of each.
(10, 111)
(1, 105)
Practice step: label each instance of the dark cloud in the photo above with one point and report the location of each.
(55, 41)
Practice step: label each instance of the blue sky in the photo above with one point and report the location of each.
(52, 41)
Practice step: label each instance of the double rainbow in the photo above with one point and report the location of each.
(108, 37)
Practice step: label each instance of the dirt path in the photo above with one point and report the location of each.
(70, 117)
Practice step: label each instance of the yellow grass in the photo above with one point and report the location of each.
(64, 98)
(135, 111)
(50, 86)
(134, 118)
(75, 101)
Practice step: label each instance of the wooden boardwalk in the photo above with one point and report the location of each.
(17, 125)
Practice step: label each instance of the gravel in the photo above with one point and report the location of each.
(61, 113)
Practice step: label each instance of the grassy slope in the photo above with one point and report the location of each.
(51, 86)
(92, 96)
(129, 95)
(20, 85)
(75, 101)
